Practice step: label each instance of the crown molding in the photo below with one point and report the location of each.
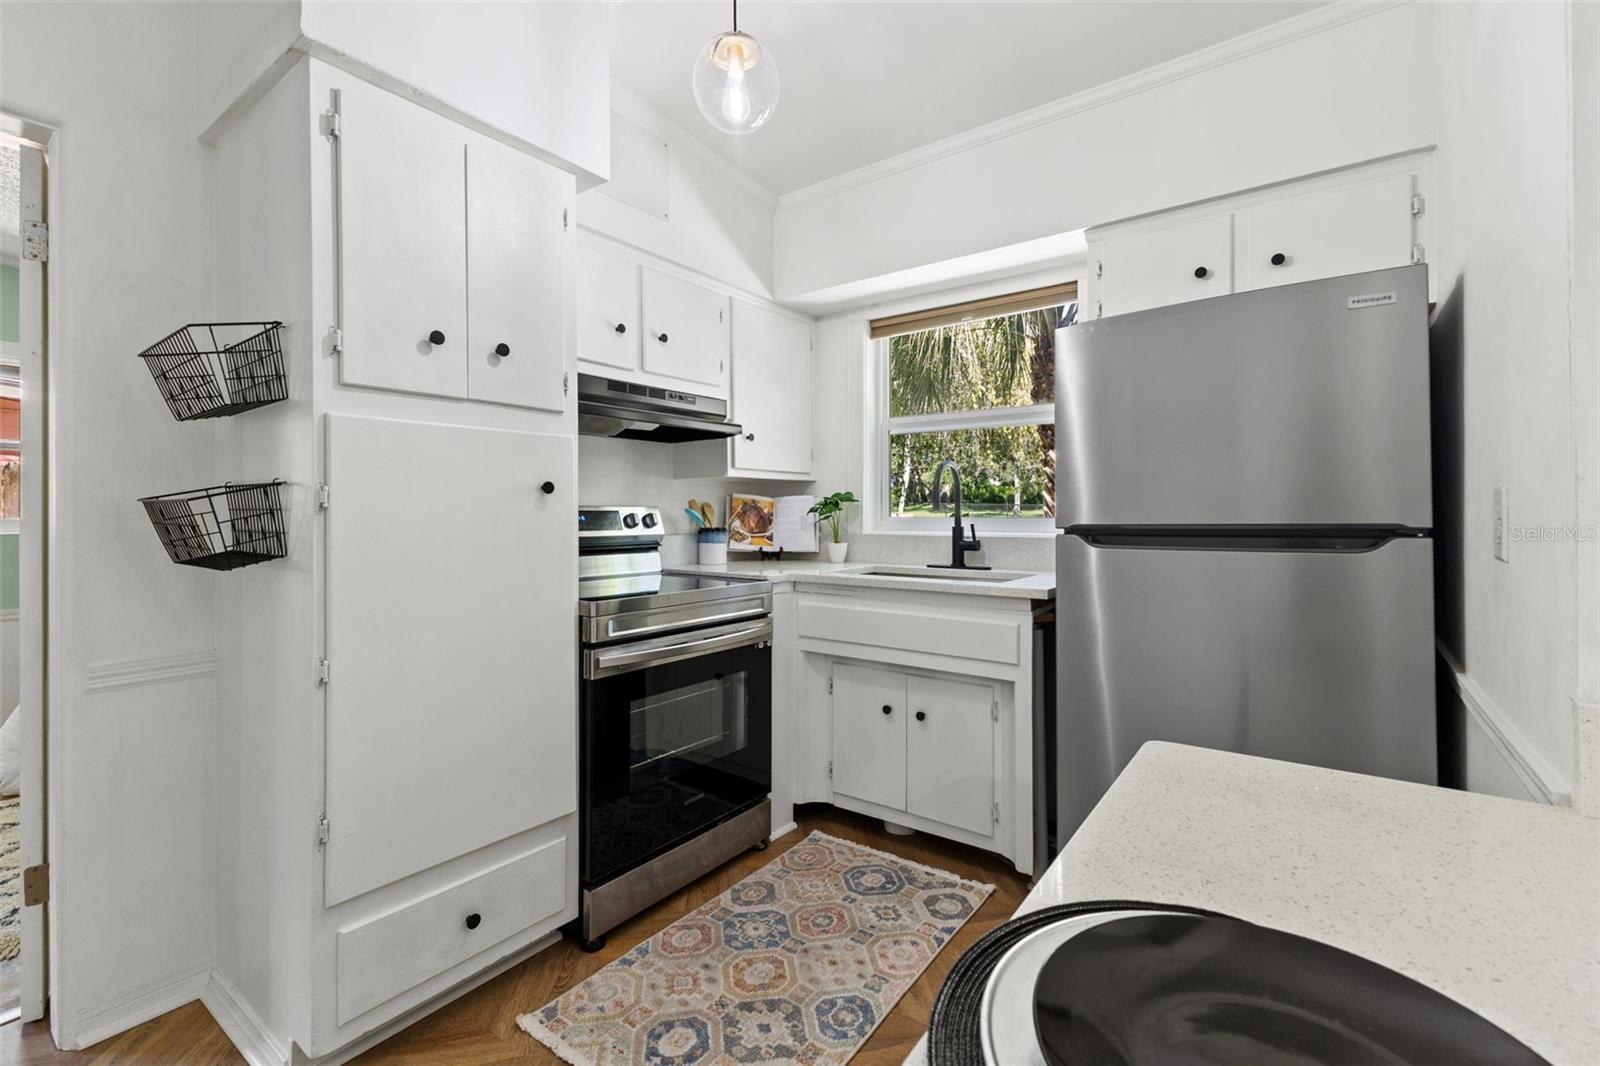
(633, 107)
(1268, 37)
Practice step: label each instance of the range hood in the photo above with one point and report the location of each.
(611, 408)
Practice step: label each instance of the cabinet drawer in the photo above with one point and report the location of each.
(384, 956)
(907, 630)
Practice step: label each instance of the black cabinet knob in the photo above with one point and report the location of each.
(548, 487)
(922, 716)
(1278, 259)
(887, 709)
(621, 328)
(749, 436)
(436, 336)
(1202, 272)
(474, 920)
(502, 349)
(662, 337)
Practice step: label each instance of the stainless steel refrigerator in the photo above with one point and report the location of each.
(1245, 562)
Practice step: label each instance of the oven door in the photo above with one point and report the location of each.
(676, 735)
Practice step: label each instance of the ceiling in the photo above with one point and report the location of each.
(865, 80)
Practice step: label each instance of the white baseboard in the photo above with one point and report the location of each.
(1542, 781)
(783, 830)
(89, 1029)
(244, 1027)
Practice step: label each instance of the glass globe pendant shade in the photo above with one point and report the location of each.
(735, 83)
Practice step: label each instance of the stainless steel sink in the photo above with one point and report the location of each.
(933, 574)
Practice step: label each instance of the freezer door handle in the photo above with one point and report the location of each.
(1347, 542)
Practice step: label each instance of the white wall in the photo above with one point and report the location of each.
(1355, 91)
(1514, 380)
(130, 738)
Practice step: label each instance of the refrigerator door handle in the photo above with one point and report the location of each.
(1350, 542)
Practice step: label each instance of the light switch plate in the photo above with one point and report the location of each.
(1502, 522)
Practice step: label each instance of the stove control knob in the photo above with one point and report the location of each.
(649, 520)
(630, 520)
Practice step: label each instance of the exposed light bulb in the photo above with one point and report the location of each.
(735, 82)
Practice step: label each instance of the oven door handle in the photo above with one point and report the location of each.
(602, 662)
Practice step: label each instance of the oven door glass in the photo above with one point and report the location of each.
(671, 749)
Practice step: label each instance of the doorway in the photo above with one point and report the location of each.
(24, 253)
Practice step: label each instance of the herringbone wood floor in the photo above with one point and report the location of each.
(480, 1028)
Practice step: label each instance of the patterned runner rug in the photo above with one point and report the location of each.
(799, 962)
(10, 879)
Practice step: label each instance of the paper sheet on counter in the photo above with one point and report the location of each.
(792, 528)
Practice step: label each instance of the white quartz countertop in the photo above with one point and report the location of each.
(1493, 902)
(1020, 584)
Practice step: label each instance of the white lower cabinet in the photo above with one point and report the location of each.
(869, 734)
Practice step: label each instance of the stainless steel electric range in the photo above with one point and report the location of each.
(675, 718)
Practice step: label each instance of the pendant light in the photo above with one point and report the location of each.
(735, 81)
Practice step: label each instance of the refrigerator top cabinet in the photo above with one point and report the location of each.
(1298, 407)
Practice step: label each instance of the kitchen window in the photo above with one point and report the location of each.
(973, 382)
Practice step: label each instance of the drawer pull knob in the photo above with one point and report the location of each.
(1278, 259)
(887, 709)
(436, 336)
(621, 328)
(502, 349)
(922, 716)
(1202, 272)
(474, 920)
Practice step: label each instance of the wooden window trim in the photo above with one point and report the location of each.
(972, 310)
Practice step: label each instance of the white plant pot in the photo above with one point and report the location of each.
(837, 550)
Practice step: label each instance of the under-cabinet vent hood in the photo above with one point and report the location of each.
(611, 408)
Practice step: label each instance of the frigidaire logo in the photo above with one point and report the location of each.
(1371, 299)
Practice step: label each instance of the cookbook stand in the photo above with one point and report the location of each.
(763, 555)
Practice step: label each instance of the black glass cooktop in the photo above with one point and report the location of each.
(1190, 990)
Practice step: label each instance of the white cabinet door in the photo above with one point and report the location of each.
(1189, 261)
(685, 330)
(402, 247)
(451, 703)
(609, 333)
(1326, 234)
(516, 279)
(950, 752)
(869, 734)
(771, 390)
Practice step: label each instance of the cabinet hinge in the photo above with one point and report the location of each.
(330, 124)
(322, 831)
(997, 814)
(36, 241)
(1418, 205)
(830, 769)
(563, 220)
(335, 341)
(324, 496)
(1099, 269)
(830, 691)
(1099, 309)
(36, 885)
(324, 672)
(1419, 254)
(566, 384)
(994, 710)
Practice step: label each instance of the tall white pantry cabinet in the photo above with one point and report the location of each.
(396, 735)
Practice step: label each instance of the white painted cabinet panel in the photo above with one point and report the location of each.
(516, 279)
(402, 247)
(950, 752)
(609, 333)
(1187, 261)
(1344, 230)
(869, 734)
(450, 708)
(686, 329)
(771, 390)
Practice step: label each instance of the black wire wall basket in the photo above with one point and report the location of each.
(211, 369)
(223, 527)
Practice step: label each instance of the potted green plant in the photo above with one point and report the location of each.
(830, 509)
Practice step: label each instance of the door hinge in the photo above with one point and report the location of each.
(36, 885)
(1418, 254)
(997, 814)
(324, 672)
(36, 241)
(1418, 205)
(563, 220)
(830, 769)
(330, 124)
(322, 831)
(335, 341)
(324, 496)
(566, 384)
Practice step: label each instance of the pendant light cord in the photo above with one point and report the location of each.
(735, 16)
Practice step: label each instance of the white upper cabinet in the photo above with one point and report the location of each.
(403, 235)
(1326, 234)
(453, 258)
(516, 279)
(771, 390)
(1190, 261)
(686, 330)
(609, 333)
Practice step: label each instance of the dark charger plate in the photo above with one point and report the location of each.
(1187, 990)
